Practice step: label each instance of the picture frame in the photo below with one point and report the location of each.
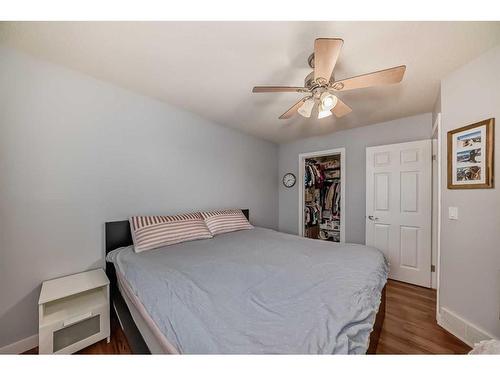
(471, 156)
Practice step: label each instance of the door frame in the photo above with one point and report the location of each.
(302, 160)
(436, 132)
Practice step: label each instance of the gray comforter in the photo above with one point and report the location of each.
(259, 291)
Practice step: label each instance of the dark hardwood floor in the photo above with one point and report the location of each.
(410, 323)
(117, 345)
(409, 328)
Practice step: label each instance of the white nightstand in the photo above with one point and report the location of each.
(73, 312)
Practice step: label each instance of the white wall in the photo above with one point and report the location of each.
(355, 141)
(470, 246)
(76, 152)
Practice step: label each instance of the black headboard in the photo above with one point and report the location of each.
(118, 233)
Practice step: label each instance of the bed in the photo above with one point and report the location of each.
(254, 291)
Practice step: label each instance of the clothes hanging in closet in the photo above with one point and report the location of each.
(312, 214)
(322, 198)
(330, 196)
(314, 175)
(336, 199)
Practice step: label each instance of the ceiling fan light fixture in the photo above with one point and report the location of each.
(328, 101)
(324, 113)
(305, 109)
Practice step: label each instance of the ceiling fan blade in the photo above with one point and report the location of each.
(326, 53)
(293, 109)
(279, 89)
(382, 77)
(341, 109)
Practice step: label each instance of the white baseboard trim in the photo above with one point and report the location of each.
(20, 346)
(461, 328)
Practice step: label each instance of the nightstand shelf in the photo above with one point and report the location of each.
(73, 312)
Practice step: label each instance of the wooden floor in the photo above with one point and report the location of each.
(409, 328)
(410, 323)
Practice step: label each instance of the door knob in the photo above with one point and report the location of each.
(372, 218)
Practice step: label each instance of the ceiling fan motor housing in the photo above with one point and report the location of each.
(311, 84)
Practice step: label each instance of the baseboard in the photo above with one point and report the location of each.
(20, 346)
(461, 328)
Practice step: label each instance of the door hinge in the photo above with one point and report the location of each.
(433, 268)
(434, 157)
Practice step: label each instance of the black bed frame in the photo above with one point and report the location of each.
(117, 235)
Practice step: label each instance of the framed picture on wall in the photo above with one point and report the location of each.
(470, 156)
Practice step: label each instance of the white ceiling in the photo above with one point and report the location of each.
(209, 68)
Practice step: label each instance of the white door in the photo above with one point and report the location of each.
(398, 208)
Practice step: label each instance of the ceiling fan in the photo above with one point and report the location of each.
(321, 85)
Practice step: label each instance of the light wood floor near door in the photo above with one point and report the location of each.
(409, 328)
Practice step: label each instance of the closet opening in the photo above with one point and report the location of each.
(322, 195)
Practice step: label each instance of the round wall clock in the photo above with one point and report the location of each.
(289, 180)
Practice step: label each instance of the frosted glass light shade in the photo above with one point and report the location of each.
(306, 108)
(328, 101)
(325, 113)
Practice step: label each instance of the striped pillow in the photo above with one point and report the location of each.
(225, 221)
(151, 232)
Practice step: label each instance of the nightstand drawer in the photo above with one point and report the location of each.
(71, 334)
(75, 333)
